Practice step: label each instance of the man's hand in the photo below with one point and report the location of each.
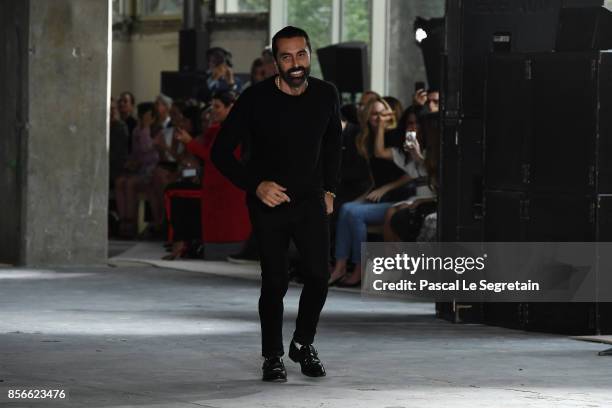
(271, 194)
(384, 118)
(420, 97)
(329, 203)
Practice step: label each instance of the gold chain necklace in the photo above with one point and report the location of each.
(277, 80)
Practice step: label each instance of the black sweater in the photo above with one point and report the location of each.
(292, 140)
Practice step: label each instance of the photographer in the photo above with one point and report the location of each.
(220, 74)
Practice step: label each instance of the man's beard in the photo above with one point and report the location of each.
(295, 82)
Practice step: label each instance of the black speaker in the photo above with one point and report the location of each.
(346, 65)
(507, 122)
(545, 111)
(192, 50)
(185, 85)
(513, 216)
(474, 29)
(584, 28)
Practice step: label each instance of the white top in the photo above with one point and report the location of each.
(415, 171)
(168, 133)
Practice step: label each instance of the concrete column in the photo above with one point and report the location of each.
(405, 61)
(56, 131)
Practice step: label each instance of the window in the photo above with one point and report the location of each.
(160, 8)
(118, 11)
(242, 6)
(355, 21)
(314, 16)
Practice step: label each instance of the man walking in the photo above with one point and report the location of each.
(291, 124)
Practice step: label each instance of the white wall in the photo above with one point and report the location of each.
(139, 61)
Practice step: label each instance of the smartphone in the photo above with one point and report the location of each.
(410, 139)
(419, 85)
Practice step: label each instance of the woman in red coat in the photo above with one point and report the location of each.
(225, 217)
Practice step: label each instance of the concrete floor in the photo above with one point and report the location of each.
(152, 337)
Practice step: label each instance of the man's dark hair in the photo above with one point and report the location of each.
(289, 32)
(145, 107)
(226, 97)
(129, 95)
(219, 56)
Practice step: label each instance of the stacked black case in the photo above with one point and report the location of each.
(547, 167)
(525, 140)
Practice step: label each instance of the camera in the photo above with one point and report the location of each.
(189, 173)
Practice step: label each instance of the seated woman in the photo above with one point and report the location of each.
(171, 153)
(137, 172)
(389, 186)
(403, 221)
(184, 211)
(224, 213)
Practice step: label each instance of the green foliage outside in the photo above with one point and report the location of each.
(253, 6)
(315, 16)
(356, 20)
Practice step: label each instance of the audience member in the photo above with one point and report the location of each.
(137, 172)
(185, 214)
(118, 143)
(224, 213)
(269, 64)
(403, 221)
(220, 74)
(396, 107)
(388, 186)
(258, 73)
(350, 113)
(355, 178)
(433, 101)
(170, 154)
(430, 100)
(366, 98)
(126, 105)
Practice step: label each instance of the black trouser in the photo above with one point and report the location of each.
(306, 222)
(186, 213)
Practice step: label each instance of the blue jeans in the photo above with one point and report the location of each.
(352, 228)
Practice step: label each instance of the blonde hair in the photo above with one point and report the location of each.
(365, 137)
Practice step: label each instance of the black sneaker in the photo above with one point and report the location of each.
(308, 358)
(274, 370)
